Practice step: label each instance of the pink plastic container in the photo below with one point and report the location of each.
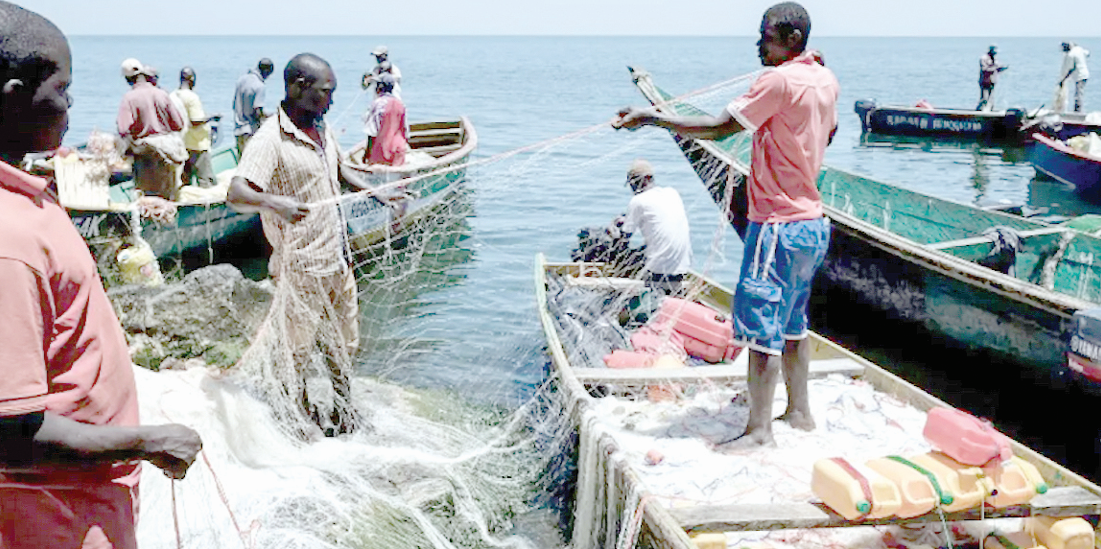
(707, 333)
(621, 358)
(965, 438)
(658, 340)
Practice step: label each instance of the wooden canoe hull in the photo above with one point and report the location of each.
(955, 123)
(667, 528)
(1068, 166)
(890, 250)
(195, 227)
(422, 189)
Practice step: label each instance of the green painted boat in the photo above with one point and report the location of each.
(200, 222)
(914, 258)
(434, 171)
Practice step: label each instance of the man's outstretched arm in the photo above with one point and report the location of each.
(698, 127)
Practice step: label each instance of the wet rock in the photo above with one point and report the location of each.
(212, 315)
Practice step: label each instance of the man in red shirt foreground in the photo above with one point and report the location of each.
(791, 110)
(70, 443)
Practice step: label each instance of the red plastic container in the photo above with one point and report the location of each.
(965, 438)
(707, 333)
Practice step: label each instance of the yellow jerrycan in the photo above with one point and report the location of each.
(1061, 533)
(916, 490)
(1016, 481)
(854, 492)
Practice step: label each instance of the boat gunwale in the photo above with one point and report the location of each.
(666, 530)
(1058, 303)
(469, 144)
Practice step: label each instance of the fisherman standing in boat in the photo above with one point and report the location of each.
(149, 123)
(659, 213)
(70, 439)
(1075, 72)
(370, 80)
(291, 173)
(248, 102)
(791, 110)
(988, 77)
(387, 131)
(197, 133)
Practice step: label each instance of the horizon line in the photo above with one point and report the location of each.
(257, 35)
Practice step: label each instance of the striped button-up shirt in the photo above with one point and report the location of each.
(281, 159)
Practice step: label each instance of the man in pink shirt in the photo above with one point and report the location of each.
(387, 132)
(791, 110)
(70, 442)
(148, 120)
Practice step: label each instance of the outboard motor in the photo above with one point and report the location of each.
(864, 105)
(1084, 354)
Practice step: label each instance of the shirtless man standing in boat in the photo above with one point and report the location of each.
(791, 110)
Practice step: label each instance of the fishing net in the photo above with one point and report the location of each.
(451, 429)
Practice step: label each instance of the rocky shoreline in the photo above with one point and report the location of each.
(211, 315)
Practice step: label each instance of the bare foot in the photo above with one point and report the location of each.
(798, 420)
(750, 440)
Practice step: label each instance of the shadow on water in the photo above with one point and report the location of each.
(1047, 415)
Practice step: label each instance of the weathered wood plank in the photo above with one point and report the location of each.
(727, 373)
(1058, 502)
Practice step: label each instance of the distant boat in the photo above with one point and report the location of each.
(1010, 126)
(435, 168)
(916, 258)
(1056, 160)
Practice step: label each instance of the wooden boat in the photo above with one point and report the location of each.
(201, 222)
(937, 122)
(616, 498)
(914, 259)
(1008, 126)
(1056, 160)
(434, 170)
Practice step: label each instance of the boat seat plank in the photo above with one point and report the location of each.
(724, 373)
(1070, 501)
(981, 239)
(437, 150)
(457, 132)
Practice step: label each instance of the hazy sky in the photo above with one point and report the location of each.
(1075, 18)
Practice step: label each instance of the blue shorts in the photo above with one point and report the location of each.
(778, 264)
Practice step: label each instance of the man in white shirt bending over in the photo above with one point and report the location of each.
(659, 213)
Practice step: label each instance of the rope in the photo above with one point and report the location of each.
(527, 148)
(176, 517)
(225, 500)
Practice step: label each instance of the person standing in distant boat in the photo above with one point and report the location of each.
(387, 132)
(370, 80)
(248, 102)
(197, 132)
(792, 111)
(71, 441)
(988, 78)
(1075, 72)
(659, 213)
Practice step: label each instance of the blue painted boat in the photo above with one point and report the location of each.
(1011, 126)
(1055, 160)
(955, 123)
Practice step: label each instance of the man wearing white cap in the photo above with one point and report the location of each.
(149, 123)
(659, 213)
(1075, 72)
(988, 77)
(382, 55)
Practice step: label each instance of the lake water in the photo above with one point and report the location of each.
(477, 333)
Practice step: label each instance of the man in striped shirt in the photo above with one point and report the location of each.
(291, 174)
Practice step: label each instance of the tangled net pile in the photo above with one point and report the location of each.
(463, 435)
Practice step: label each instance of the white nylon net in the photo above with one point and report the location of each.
(461, 438)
